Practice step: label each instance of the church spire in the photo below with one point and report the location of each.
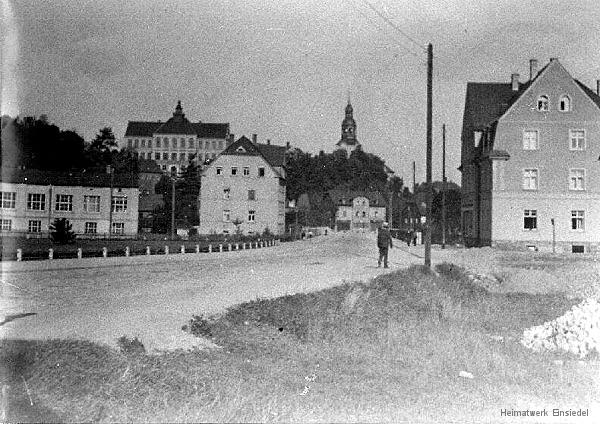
(178, 114)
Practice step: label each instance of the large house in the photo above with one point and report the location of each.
(358, 210)
(530, 169)
(94, 204)
(243, 190)
(172, 144)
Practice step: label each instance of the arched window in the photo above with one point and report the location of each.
(564, 105)
(158, 142)
(542, 103)
(174, 140)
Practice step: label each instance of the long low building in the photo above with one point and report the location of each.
(96, 205)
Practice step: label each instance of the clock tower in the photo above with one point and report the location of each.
(348, 141)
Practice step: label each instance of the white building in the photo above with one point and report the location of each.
(172, 144)
(31, 200)
(243, 190)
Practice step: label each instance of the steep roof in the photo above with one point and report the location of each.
(272, 154)
(71, 179)
(206, 130)
(141, 128)
(595, 98)
(341, 196)
(275, 155)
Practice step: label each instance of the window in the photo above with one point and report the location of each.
(251, 216)
(577, 220)
(261, 172)
(91, 228)
(530, 179)
(91, 203)
(214, 145)
(6, 225)
(165, 156)
(136, 143)
(64, 202)
(542, 103)
(143, 143)
(129, 143)
(191, 143)
(234, 170)
(246, 171)
(173, 156)
(530, 219)
(191, 156)
(149, 144)
(181, 157)
(251, 194)
(564, 104)
(226, 193)
(530, 140)
(36, 201)
(174, 142)
(8, 199)
(118, 228)
(221, 145)
(226, 215)
(157, 142)
(165, 142)
(34, 227)
(577, 179)
(119, 203)
(182, 143)
(577, 248)
(577, 138)
(219, 170)
(157, 156)
(207, 145)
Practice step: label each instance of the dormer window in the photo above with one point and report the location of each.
(564, 105)
(542, 103)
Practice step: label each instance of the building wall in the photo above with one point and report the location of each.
(269, 203)
(20, 215)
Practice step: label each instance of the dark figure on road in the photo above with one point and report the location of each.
(384, 242)
(409, 237)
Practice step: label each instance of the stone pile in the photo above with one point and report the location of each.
(576, 332)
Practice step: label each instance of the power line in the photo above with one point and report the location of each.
(393, 25)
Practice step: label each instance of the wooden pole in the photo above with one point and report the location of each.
(444, 186)
(429, 157)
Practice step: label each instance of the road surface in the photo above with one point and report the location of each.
(151, 297)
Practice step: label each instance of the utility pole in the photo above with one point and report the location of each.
(414, 178)
(428, 187)
(109, 169)
(443, 186)
(391, 208)
(172, 207)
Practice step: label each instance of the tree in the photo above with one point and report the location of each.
(61, 231)
(99, 150)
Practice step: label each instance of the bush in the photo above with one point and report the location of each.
(198, 326)
(61, 231)
(132, 346)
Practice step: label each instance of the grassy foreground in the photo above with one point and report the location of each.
(390, 350)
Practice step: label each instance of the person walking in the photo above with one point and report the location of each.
(384, 241)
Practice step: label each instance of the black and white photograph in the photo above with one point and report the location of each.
(300, 211)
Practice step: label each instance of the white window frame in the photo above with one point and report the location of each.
(246, 171)
(36, 201)
(251, 195)
(577, 220)
(219, 170)
(226, 193)
(577, 175)
(261, 169)
(252, 215)
(529, 175)
(64, 203)
(527, 141)
(90, 228)
(34, 226)
(234, 170)
(530, 213)
(9, 199)
(226, 215)
(117, 228)
(89, 205)
(577, 139)
(561, 104)
(119, 204)
(5, 225)
(543, 103)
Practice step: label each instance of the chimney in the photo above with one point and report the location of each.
(533, 64)
(253, 138)
(268, 141)
(287, 143)
(514, 81)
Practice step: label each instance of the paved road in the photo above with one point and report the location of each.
(151, 297)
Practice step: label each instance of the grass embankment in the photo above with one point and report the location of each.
(391, 350)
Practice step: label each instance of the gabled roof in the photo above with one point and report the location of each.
(176, 125)
(345, 197)
(593, 96)
(141, 128)
(68, 179)
(273, 155)
(206, 130)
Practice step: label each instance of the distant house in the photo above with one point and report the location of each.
(358, 210)
(243, 190)
(529, 162)
(172, 144)
(148, 176)
(96, 205)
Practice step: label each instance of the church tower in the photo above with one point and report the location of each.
(348, 141)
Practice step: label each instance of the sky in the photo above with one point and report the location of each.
(285, 69)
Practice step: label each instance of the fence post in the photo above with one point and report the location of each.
(166, 249)
(147, 250)
(256, 245)
(210, 248)
(182, 249)
(220, 247)
(229, 247)
(244, 246)
(104, 252)
(237, 246)
(50, 253)
(127, 251)
(79, 253)
(197, 248)
(19, 255)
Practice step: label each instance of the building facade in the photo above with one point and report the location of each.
(172, 144)
(243, 190)
(95, 205)
(348, 141)
(358, 210)
(529, 163)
